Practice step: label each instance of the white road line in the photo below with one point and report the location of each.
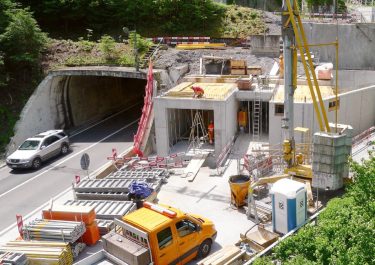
(110, 117)
(26, 217)
(68, 158)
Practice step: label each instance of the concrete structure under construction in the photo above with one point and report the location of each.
(174, 110)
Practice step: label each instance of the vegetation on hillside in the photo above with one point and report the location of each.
(345, 233)
(21, 42)
(150, 17)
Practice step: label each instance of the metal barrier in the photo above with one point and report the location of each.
(224, 154)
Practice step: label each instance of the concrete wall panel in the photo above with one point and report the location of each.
(356, 43)
(357, 109)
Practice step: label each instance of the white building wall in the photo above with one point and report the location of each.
(357, 108)
(225, 119)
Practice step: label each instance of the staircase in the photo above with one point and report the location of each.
(150, 54)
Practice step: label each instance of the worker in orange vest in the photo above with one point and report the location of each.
(211, 132)
(198, 91)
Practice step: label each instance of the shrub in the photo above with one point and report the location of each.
(107, 46)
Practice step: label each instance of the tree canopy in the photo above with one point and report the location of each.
(345, 233)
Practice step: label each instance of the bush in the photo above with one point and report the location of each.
(107, 46)
(345, 233)
(142, 44)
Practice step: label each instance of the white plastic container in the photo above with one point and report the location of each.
(289, 205)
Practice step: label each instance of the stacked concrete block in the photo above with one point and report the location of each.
(330, 160)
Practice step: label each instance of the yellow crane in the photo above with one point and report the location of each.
(294, 39)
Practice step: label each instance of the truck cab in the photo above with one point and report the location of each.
(170, 235)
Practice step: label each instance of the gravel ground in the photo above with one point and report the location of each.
(173, 57)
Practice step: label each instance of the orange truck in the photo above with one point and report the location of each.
(160, 235)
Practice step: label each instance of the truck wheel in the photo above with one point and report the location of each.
(204, 249)
(37, 162)
(64, 149)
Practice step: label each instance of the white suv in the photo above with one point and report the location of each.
(39, 148)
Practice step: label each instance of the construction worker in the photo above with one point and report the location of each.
(281, 66)
(198, 91)
(211, 132)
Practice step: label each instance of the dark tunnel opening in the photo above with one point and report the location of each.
(86, 99)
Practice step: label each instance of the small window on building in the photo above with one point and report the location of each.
(165, 238)
(279, 109)
(332, 105)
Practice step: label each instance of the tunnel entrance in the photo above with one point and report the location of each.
(85, 99)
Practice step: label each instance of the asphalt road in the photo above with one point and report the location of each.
(21, 192)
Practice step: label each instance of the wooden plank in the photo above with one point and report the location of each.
(221, 257)
(194, 166)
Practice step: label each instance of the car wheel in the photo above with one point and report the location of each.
(64, 149)
(37, 163)
(204, 248)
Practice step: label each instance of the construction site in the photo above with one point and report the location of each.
(258, 151)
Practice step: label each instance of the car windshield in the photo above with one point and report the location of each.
(29, 145)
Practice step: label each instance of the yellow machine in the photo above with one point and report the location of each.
(160, 234)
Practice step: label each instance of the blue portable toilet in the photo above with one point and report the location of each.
(289, 205)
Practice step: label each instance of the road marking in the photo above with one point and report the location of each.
(110, 117)
(68, 158)
(26, 217)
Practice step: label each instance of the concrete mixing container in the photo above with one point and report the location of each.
(289, 208)
(239, 185)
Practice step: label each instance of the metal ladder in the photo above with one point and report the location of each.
(257, 114)
(197, 126)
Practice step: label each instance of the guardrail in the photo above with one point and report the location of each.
(224, 154)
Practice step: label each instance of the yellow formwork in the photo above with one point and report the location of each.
(211, 90)
(302, 93)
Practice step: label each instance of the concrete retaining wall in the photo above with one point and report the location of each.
(353, 79)
(268, 45)
(71, 97)
(357, 109)
(356, 43)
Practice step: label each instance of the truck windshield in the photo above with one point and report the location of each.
(29, 145)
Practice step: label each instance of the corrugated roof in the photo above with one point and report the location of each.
(211, 90)
(302, 93)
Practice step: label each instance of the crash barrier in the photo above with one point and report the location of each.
(117, 185)
(238, 42)
(224, 153)
(180, 40)
(146, 112)
(176, 160)
(363, 136)
(106, 211)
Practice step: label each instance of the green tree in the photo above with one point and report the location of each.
(22, 40)
(345, 233)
